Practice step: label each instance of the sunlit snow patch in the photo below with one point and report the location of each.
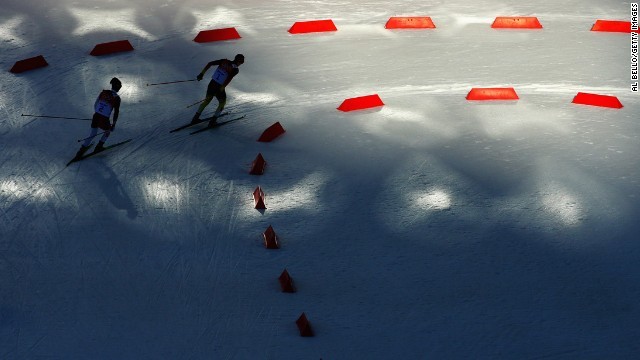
(256, 97)
(16, 188)
(436, 199)
(563, 206)
(300, 196)
(221, 17)
(132, 89)
(91, 20)
(163, 193)
(8, 32)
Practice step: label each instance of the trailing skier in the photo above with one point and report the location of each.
(221, 77)
(108, 101)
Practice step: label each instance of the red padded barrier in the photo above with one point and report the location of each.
(272, 132)
(286, 282)
(29, 64)
(258, 198)
(303, 27)
(217, 35)
(492, 94)
(270, 238)
(304, 326)
(612, 26)
(420, 22)
(360, 103)
(111, 47)
(516, 22)
(597, 100)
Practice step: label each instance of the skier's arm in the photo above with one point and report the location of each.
(116, 113)
(209, 64)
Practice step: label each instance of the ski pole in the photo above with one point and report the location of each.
(55, 117)
(196, 103)
(91, 137)
(171, 82)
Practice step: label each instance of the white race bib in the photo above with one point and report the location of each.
(220, 76)
(103, 108)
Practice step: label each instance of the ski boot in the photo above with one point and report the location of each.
(214, 118)
(83, 149)
(212, 122)
(196, 118)
(99, 147)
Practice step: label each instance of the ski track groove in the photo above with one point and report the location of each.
(160, 284)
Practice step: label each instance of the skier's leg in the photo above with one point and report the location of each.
(100, 146)
(212, 89)
(85, 145)
(92, 134)
(204, 104)
(222, 100)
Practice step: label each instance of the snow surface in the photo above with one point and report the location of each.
(431, 228)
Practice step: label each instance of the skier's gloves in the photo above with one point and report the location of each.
(199, 77)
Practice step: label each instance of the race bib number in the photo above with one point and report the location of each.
(103, 108)
(220, 76)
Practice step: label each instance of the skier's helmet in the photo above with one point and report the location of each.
(239, 59)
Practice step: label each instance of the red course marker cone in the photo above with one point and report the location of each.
(612, 26)
(217, 35)
(111, 47)
(29, 64)
(360, 103)
(421, 22)
(303, 27)
(492, 94)
(597, 100)
(516, 22)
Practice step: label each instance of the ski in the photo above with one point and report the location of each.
(94, 153)
(218, 124)
(197, 122)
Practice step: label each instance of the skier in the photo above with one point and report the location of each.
(107, 101)
(222, 76)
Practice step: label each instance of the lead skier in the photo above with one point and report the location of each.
(221, 77)
(107, 101)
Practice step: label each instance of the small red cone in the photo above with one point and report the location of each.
(286, 282)
(270, 238)
(304, 326)
(257, 168)
(258, 198)
(272, 132)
